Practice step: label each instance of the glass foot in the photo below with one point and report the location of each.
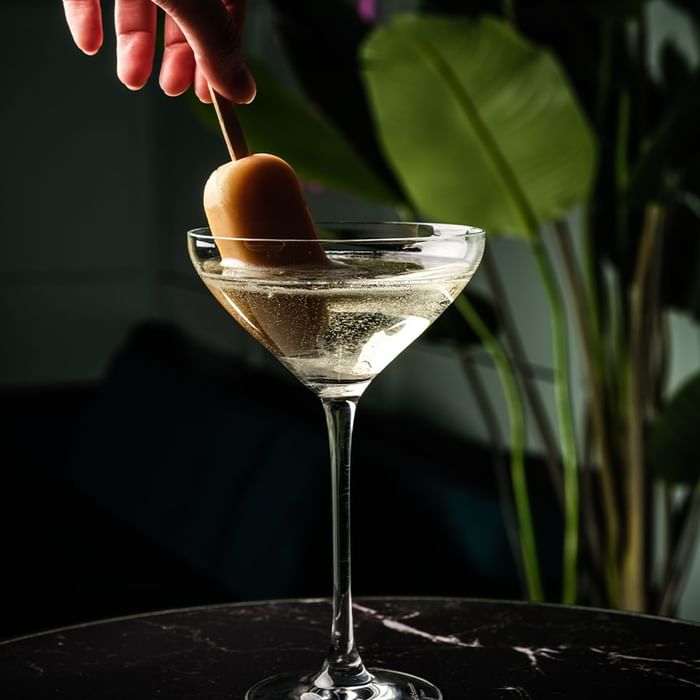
(385, 685)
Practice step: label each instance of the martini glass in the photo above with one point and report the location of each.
(335, 312)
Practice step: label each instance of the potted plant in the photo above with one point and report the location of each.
(513, 115)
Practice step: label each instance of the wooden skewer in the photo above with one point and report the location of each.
(230, 126)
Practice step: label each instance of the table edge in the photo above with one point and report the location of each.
(287, 601)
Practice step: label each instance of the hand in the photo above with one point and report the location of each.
(202, 43)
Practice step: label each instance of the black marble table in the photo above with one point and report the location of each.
(470, 649)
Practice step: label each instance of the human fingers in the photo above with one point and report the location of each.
(215, 35)
(201, 86)
(84, 19)
(135, 24)
(178, 65)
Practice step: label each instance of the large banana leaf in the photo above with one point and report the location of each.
(281, 122)
(480, 125)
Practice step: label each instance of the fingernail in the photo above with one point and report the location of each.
(244, 85)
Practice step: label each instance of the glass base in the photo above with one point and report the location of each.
(385, 685)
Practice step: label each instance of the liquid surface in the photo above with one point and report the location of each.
(336, 328)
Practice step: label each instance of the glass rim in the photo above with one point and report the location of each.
(440, 231)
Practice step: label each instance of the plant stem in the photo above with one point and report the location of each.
(517, 433)
(654, 331)
(592, 268)
(669, 538)
(614, 363)
(592, 283)
(488, 415)
(591, 357)
(589, 517)
(529, 224)
(654, 370)
(520, 364)
(562, 396)
(634, 595)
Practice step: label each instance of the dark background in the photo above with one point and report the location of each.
(152, 455)
(133, 498)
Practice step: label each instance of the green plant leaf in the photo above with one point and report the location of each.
(281, 122)
(674, 444)
(479, 124)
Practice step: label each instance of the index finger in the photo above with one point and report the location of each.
(215, 35)
(84, 18)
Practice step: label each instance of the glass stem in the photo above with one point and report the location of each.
(343, 665)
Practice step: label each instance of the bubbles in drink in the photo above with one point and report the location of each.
(344, 325)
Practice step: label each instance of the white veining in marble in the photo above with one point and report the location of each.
(534, 654)
(615, 656)
(652, 665)
(402, 627)
(519, 692)
(37, 668)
